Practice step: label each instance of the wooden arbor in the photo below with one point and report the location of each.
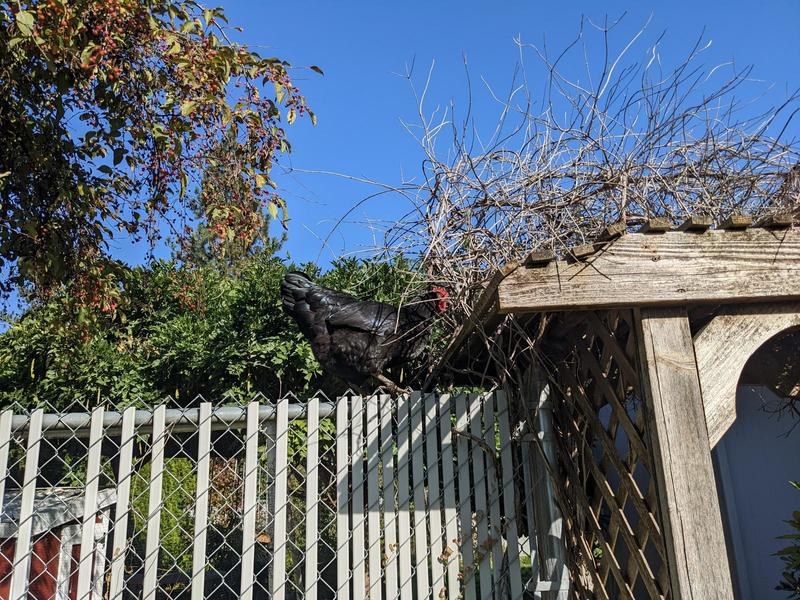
(646, 340)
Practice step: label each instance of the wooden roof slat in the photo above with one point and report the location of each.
(736, 222)
(539, 257)
(656, 225)
(613, 231)
(697, 223)
(777, 221)
(583, 250)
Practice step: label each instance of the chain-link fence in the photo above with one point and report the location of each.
(422, 496)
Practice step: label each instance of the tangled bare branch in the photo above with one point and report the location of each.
(626, 139)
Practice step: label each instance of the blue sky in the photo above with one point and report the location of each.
(362, 46)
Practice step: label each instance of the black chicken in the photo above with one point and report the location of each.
(355, 339)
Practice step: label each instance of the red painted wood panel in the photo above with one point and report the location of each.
(43, 574)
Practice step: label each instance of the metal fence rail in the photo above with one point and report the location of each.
(422, 496)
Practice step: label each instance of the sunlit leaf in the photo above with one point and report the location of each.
(25, 22)
(188, 107)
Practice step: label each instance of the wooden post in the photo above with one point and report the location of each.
(690, 512)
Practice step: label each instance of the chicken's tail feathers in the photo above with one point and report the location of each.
(294, 287)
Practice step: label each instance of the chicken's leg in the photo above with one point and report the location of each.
(389, 384)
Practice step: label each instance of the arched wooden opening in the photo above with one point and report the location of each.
(724, 346)
(754, 461)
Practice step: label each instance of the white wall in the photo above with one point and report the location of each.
(755, 460)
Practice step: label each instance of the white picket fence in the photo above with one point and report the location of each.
(423, 496)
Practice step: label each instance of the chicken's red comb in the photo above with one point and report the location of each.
(440, 291)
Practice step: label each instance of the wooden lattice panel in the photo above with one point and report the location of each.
(606, 464)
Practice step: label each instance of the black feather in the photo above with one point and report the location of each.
(356, 339)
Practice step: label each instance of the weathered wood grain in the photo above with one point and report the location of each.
(692, 525)
(724, 346)
(613, 231)
(584, 250)
(666, 269)
(696, 223)
(736, 222)
(656, 225)
(778, 220)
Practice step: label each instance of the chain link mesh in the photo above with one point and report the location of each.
(244, 501)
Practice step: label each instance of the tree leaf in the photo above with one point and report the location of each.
(316, 69)
(188, 107)
(25, 22)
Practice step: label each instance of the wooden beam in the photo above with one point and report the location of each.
(690, 512)
(671, 268)
(724, 346)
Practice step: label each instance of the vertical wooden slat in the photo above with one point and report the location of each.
(373, 494)
(201, 501)
(418, 477)
(433, 451)
(249, 503)
(342, 492)
(124, 476)
(698, 560)
(509, 497)
(5, 446)
(153, 542)
(22, 550)
(389, 504)
(481, 503)
(87, 551)
(449, 495)
(281, 500)
(403, 496)
(465, 499)
(312, 498)
(495, 527)
(357, 497)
